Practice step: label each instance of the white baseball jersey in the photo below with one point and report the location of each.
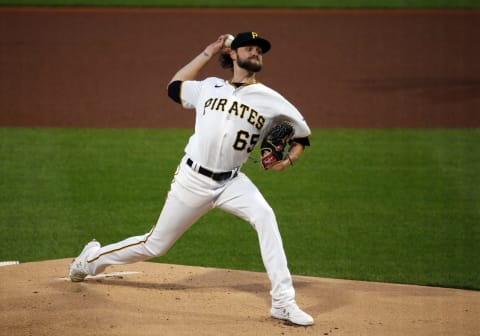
(230, 121)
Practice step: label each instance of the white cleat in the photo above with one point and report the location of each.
(79, 266)
(292, 314)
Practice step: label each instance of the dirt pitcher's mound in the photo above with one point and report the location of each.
(157, 299)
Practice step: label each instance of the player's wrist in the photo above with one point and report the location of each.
(291, 158)
(206, 54)
(209, 52)
(281, 165)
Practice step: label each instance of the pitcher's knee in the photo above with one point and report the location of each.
(157, 245)
(154, 250)
(263, 215)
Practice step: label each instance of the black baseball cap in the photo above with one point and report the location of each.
(250, 38)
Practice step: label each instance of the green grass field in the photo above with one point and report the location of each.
(383, 205)
(457, 4)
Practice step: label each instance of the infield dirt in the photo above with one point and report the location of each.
(36, 299)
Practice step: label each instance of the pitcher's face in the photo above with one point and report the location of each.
(250, 58)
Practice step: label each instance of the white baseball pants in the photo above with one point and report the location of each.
(191, 196)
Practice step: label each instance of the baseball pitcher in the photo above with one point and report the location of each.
(231, 117)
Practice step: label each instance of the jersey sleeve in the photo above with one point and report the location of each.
(302, 130)
(290, 113)
(282, 110)
(190, 93)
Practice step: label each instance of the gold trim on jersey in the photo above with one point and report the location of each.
(123, 247)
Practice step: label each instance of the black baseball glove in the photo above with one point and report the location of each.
(274, 144)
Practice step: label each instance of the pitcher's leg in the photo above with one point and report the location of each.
(176, 217)
(242, 198)
(273, 255)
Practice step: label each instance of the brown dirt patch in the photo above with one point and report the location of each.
(109, 67)
(180, 300)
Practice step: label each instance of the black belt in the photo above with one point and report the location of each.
(215, 176)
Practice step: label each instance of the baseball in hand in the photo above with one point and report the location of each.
(228, 40)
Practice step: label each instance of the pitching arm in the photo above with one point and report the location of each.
(191, 69)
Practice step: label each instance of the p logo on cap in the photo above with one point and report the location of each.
(248, 39)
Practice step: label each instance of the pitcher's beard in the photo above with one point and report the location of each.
(249, 66)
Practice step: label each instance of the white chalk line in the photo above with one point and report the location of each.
(103, 275)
